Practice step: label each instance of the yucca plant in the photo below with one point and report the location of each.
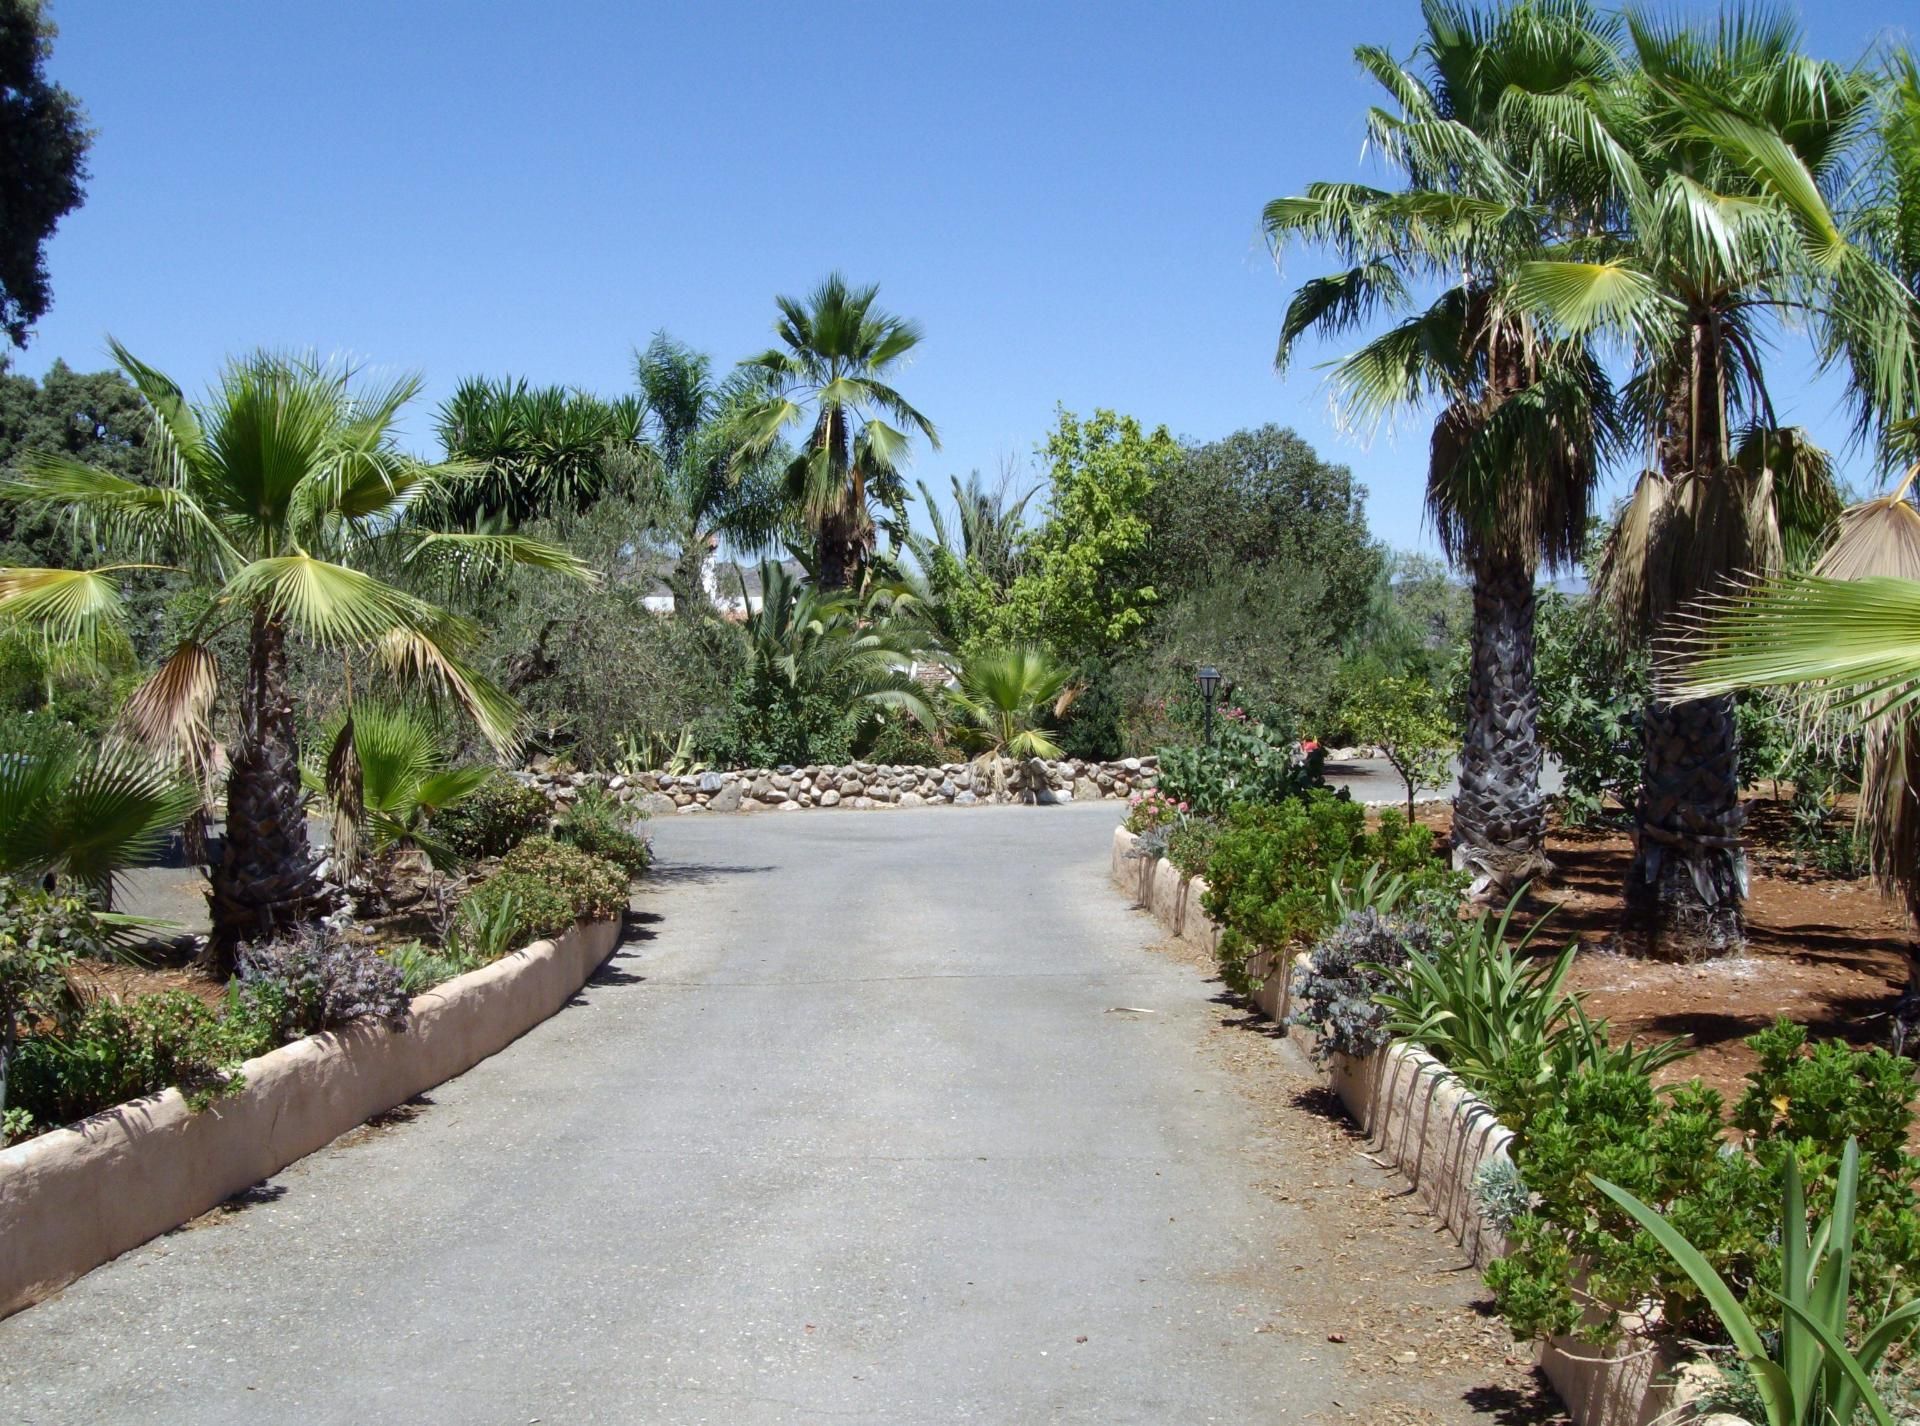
(405, 776)
(272, 498)
(1003, 703)
(83, 814)
(1812, 1378)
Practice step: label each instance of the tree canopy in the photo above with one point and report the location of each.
(44, 140)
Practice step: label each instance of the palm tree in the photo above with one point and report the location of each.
(1512, 462)
(829, 374)
(1004, 700)
(85, 814)
(405, 777)
(270, 499)
(964, 567)
(714, 489)
(1726, 151)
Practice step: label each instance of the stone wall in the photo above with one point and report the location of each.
(858, 785)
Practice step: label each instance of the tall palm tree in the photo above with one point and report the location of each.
(713, 488)
(1511, 469)
(830, 374)
(271, 498)
(1727, 151)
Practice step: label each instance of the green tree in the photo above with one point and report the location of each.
(965, 567)
(1728, 153)
(1081, 593)
(92, 416)
(1407, 720)
(830, 374)
(44, 140)
(270, 497)
(1261, 497)
(1004, 702)
(1512, 458)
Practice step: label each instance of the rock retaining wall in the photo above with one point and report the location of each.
(1438, 1134)
(75, 1198)
(856, 785)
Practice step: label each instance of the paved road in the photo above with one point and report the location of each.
(850, 1131)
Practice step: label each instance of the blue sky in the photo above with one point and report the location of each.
(1066, 196)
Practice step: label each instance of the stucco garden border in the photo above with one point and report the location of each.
(1437, 1133)
(75, 1198)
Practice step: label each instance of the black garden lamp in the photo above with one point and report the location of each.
(1208, 678)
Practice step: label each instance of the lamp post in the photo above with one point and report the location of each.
(1209, 679)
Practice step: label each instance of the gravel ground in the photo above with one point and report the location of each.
(891, 1118)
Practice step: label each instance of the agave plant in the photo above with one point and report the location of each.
(1004, 700)
(1812, 1378)
(272, 499)
(85, 814)
(404, 777)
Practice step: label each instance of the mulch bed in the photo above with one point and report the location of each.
(1822, 950)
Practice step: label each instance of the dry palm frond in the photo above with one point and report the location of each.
(1876, 537)
(1680, 539)
(345, 791)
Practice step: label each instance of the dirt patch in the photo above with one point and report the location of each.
(155, 970)
(1383, 1291)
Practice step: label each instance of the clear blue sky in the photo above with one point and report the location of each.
(1066, 196)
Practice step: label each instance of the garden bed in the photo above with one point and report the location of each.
(77, 1197)
(1825, 951)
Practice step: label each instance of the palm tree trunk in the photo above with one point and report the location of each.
(1499, 817)
(266, 880)
(834, 546)
(1689, 874)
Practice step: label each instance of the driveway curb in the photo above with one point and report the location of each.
(75, 1198)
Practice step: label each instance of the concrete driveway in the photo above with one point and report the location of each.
(862, 1124)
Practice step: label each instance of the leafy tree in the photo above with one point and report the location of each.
(535, 450)
(1261, 497)
(1593, 693)
(270, 497)
(1727, 153)
(1512, 462)
(596, 670)
(44, 140)
(1406, 718)
(1261, 625)
(966, 567)
(1081, 594)
(830, 375)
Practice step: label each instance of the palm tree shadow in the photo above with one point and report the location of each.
(697, 873)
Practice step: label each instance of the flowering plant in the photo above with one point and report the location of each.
(1147, 810)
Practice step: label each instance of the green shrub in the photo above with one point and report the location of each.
(597, 824)
(1245, 765)
(494, 820)
(900, 741)
(1152, 810)
(117, 1051)
(40, 935)
(422, 967)
(1669, 1149)
(1499, 1018)
(319, 980)
(593, 886)
(1268, 874)
(1190, 844)
(540, 911)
